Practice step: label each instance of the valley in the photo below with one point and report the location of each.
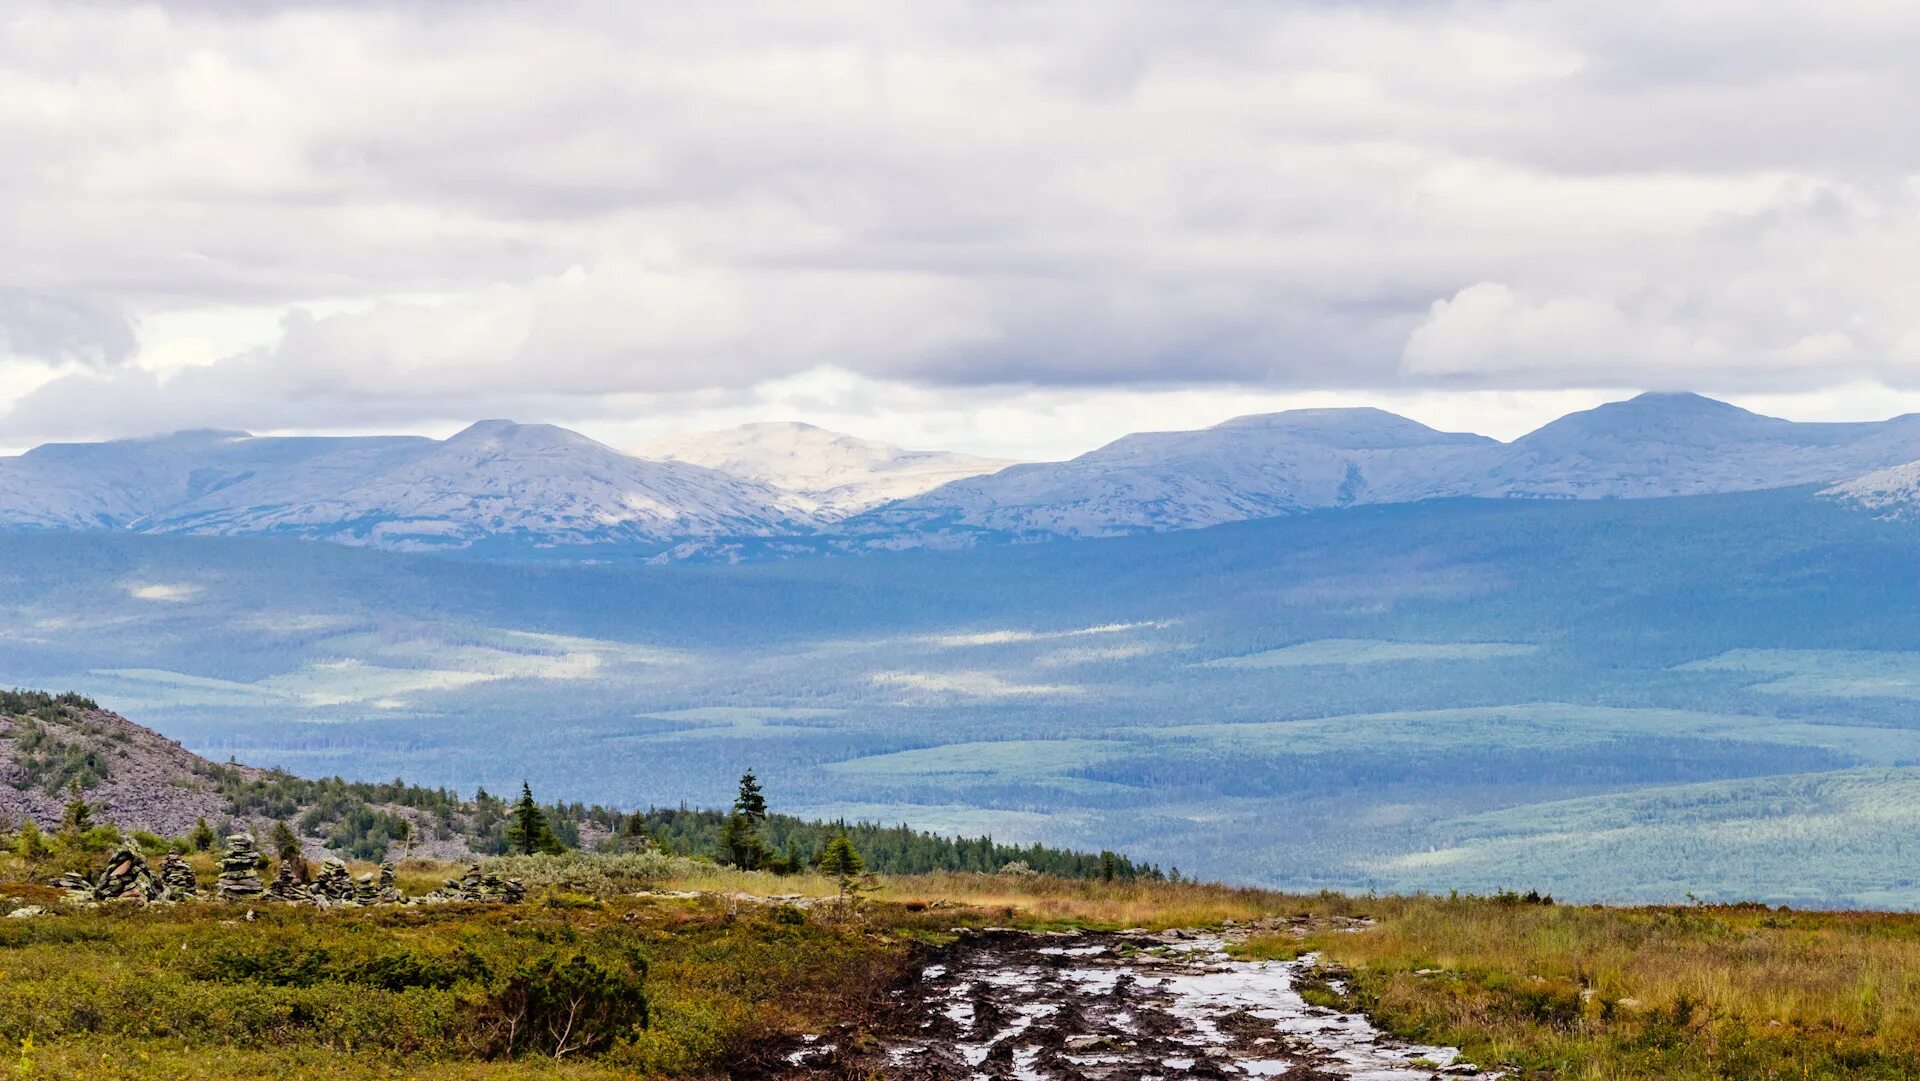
(1469, 694)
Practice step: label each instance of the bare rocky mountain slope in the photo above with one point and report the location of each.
(1283, 463)
(496, 480)
(130, 775)
(137, 779)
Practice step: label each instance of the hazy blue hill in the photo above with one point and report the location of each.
(1436, 662)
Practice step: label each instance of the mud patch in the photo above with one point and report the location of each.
(1004, 1005)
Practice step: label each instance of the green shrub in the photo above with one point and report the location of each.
(596, 873)
(555, 1007)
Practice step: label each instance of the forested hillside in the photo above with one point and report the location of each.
(64, 756)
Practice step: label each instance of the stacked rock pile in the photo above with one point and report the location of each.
(333, 884)
(77, 885)
(177, 879)
(388, 891)
(287, 886)
(127, 875)
(239, 879)
(478, 885)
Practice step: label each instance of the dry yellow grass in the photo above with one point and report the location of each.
(1678, 993)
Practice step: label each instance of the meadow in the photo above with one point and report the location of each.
(733, 967)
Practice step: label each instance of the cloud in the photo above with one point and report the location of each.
(440, 211)
(60, 330)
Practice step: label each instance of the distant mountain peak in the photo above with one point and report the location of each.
(838, 474)
(1353, 427)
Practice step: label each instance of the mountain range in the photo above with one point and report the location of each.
(1281, 463)
(503, 486)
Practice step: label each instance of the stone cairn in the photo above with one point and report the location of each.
(239, 874)
(177, 878)
(333, 884)
(287, 886)
(388, 892)
(127, 875)
(478, 885)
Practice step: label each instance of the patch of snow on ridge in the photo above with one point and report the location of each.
(1894, 492)
(837, 474)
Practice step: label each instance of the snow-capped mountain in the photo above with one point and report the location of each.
(1250, 467)
(836, 474)
(496, 480)
(1282, 463)
(1891, 493)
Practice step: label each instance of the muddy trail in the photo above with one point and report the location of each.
(1121, 1006)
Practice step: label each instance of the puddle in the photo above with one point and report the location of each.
(1129, 1006)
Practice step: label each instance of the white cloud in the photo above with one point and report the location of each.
(302, 216)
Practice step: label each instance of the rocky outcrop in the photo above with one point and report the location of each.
(239, 869)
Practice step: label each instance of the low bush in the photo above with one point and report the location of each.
(596, 873)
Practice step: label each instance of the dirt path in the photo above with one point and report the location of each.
(1118, 1007)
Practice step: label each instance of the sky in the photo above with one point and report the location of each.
(1019, 229)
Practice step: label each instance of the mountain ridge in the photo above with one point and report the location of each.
(786, 488)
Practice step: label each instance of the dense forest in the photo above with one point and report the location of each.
(370, 820)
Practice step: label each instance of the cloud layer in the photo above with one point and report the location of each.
(447, 209)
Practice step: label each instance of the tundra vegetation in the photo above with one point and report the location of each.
(649, 964)
(705, 943)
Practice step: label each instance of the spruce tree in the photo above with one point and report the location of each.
(842, 862)
(1108, 866)
(750, 803)
(740, 835)
(741, 842)
(202, 837)
(634, 836)
(529, 831)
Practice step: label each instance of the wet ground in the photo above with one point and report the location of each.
(1123, 1006)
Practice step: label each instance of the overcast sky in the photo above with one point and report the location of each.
(1017, 228)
